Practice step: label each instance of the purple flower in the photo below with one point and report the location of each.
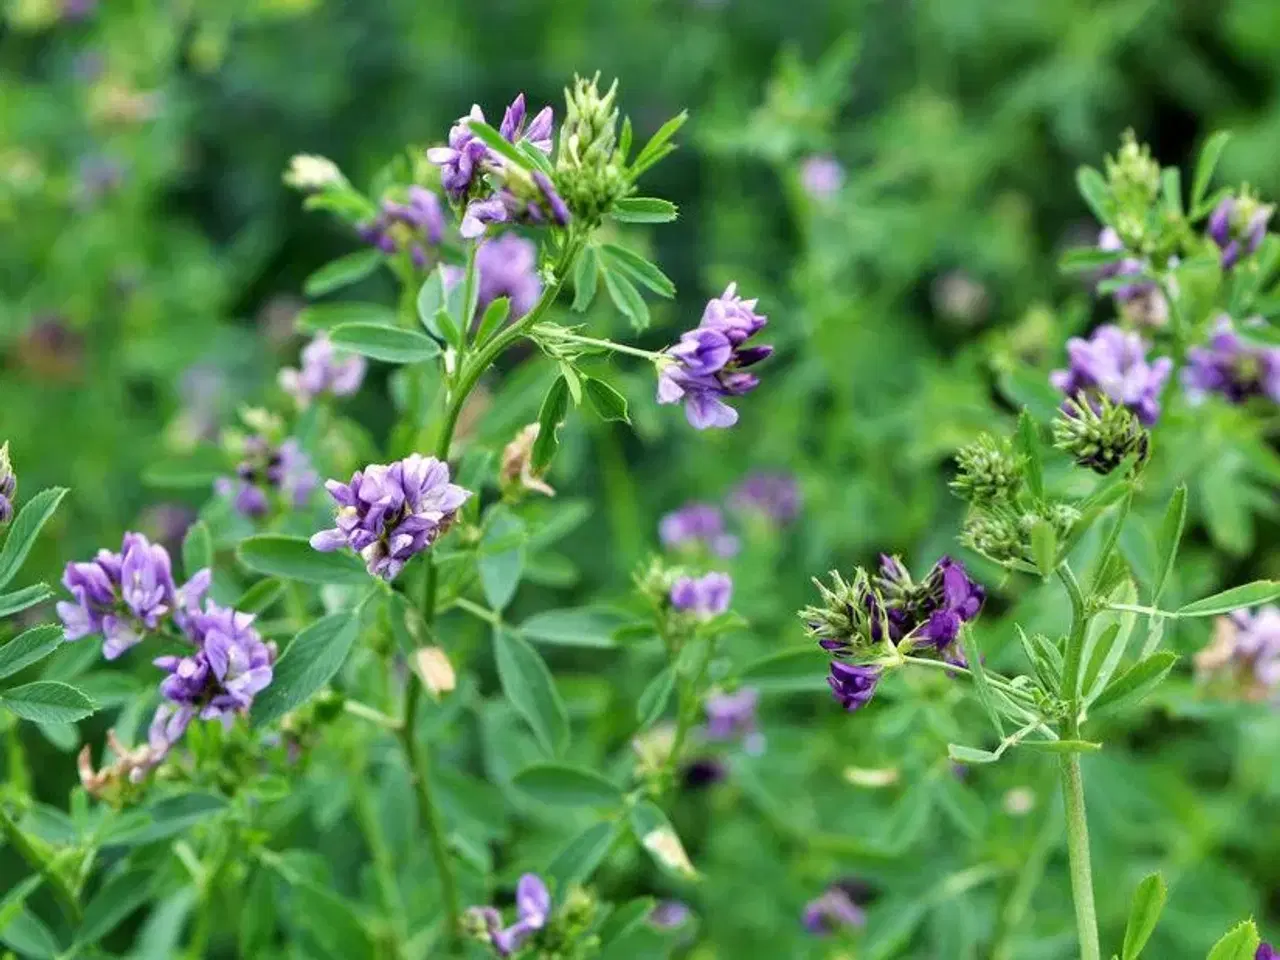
(933, 609)
(536, 203)
(732, 716)
(669, 914)
(821, 176)
(1266, 952)
(707, 363)
(697, 525)
(416, 226)
(466, 156)
(8, 486)
(506, 266)
(390, 513)
(325, 370)
(775, 496)
(533, 909)
(1238, 227)
(268, 472)
(704, 597)
(1114, 362)
(1109, 241)
(851, 684)
(832, 912)
(1229, 366)
(538, 133)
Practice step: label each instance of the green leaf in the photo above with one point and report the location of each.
(1029, 446)
(1148, 901)
(559, 785)
(47, 701)
(1088, 258)
(973, 654)
(1093, 188)
(656, 834)
(496, 142)
(14, 899)
(196, 471)
(292, 558)
(326, 316)
(659, 145)
(1136, 682)
(120, 896)
(164, 819)
(19, 600)
(638, 269)
(627, 299)
(653, 701)
(342, 272)
(1175, 521)
(607, 402)
(573, 627)
(495, 316)
(26, 648)
(578, 860)
(788, 671)
(1062, 746)
(625, 919)
(644, 210)
(1206, 164)
(1110, 540)
(260, 596)
(1044, 547)
(586, 278)
(554, 406)
(197, 549)
(1241, 942)
(1171, 191)
(24, 530)
(310, 661)
(501, 557)
(963, 754)
(529, 688)
(431, 300)
(31, 937)
(389, 344)
(1248, 595)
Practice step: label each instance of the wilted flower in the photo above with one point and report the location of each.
(416, 226)
(832, 912)
(435, 669)
(703, 597)
(516, 472)
(707, 363)
(325, 370)
(1238, 226)
(111, 783)
(698, 525)
(1114, 363)
(126, 595)
(8, 485)
(1244, 653)
(772, 495)
(821, 176)
(390, 513)
(732, 716)
(309, 172)
(1099, 434)
(268, 471)
(665, 846)
(533, 909)
(1229, 366)
(853, 685)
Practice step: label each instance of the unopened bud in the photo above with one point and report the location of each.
(1100, 434)
(312, 173)
(989, 471)
(1134, 176)
(589, 173)
(433, 666)
(994, 536)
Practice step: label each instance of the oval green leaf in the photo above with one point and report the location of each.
(292, 558)
(389, 344)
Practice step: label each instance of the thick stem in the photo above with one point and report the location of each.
(1078, 853)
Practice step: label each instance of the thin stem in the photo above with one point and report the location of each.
(366, 712)
(1137, 608)
(1075, 640)
(1078, 853)
(688, 708)
(473, 608)
(570, 337)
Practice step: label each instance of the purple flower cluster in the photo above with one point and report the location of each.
(703, 597)
(1113, 363)
(821, 176)
(853, 685)
(269, 471)
(706, 365)
(932, 610)
(835, 910)
(325, 370)
(533, 909)
(415, 226)
(1245, 648)
(1266, 952)
(698, 526)
(1238, 227)
(1229, 366)
(8, 486)
(773, 495)
(126, 595)
(732, 716)
(506, 266)
(390, 513)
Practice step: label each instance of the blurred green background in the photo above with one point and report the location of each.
(151, 265)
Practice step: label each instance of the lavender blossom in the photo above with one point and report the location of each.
(1238, 227)
(707, 363)
(932, 610)
(1266, 952)
(535, 203)
(853, 685)
(821, 176)
(267, 472)
(506, 266)
(460, 161)
(703, 597)
(126, 595)
(732, 717)
(1114, 362)
(775, 496)
(1245, 652)
(390, 513)
(832, 912)
(415, 227)
(669, 914)
(697, 525)
(533, 909)
(1229, 366)
(8, 485)
(325, 370)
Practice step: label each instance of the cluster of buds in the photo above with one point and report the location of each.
(1133, 176)
(589, 172)
(1100, 435)
(989, 471)
(8, 486)
(270, 469)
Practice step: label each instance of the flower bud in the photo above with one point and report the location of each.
(8, 485)
(850, 617)
(312, 174)
(1099, 434)
(516, 474)
(589, 173)
(1134, 176)
(1238, 226)
(994, 536)
(989, 471)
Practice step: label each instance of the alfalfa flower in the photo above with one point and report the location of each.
(708, 363)
(933, 609)
(1244, 654)
(390, 513)
(835, 910)
(821, 176)
(467, 157)
(853, 685)
(773, 495)
(733, 716)
(325, 370)
(268, 473)
(1233, 368)
(533, 910)
(1113, 363)
(506, 266)
(1238, 226)
(415, 226)
(702, 597)
(8, 485)
(697, 526)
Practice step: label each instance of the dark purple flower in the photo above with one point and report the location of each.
(704, 597)
(269, 472)
(538, 132)
(932, 610)
(1266, 952)
(832, 912)
(535, 203)
(1114, 362)
(699, 525)
(324, 370)
(703, 772)
(533, 909)
(706, 365)
(1238, 227)
(416, 226)
(852, 684)
(821, 176)
(772, 495)
(390, 513)
(1229, 366)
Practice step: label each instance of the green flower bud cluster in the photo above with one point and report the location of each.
(590, 175)
(1134, 178)
(850, 616)
(1100, 435)
(989, 471)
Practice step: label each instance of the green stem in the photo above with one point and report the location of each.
(1075, 641)
(688, 709)
(1078, 853)
(366, 712)
(569, 337)
(19, 841)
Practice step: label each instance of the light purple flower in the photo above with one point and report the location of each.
(1114, 362)
(1255, 645)
(706, 365)
(8, 486)
(1230, 366)
(533, 909)
(269, 473)
(466, 157)
(732, 717)
(832, 912)
(853, 685)
(697, 525)
(704, 597)
(506, 266)
(390, 513)
(669, 914)
(1238, 228)
(1266, 952)
(536, 203)
(324, 370)
(821, 176)
(775, 496)
(416, 226)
